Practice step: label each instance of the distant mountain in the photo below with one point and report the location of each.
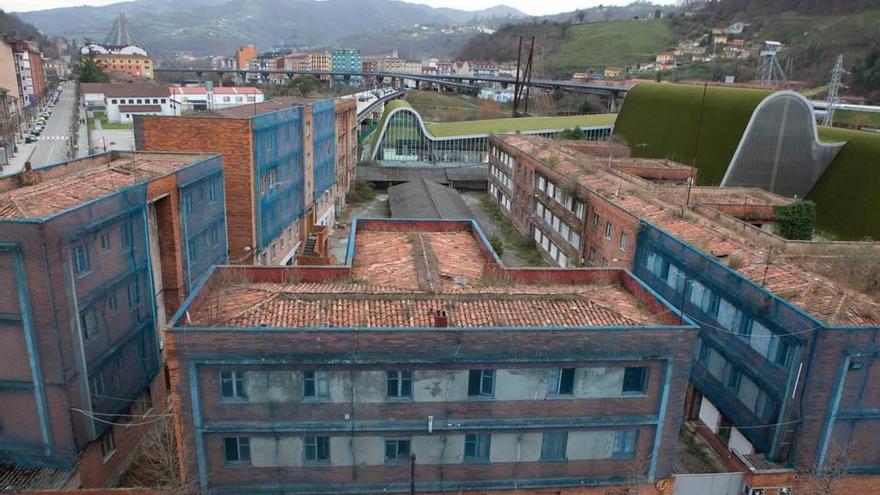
(213, 27)
(12, 26)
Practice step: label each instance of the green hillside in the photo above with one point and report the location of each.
(662, 121)
(601, 44)
(561, 49)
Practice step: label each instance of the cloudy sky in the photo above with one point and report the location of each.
(534, 7)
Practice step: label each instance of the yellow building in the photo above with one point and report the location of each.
(134, 65)
(613, 72)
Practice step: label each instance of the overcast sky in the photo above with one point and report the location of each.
(534, 7)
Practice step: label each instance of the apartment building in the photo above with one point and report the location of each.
(784, 361)
(347, 60)
(300, 62)
(136, 66)
(30, 72)
(424, 344)
(281, 165)
(95, 254)
(243, 55)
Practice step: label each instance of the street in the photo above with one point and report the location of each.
(52, 145)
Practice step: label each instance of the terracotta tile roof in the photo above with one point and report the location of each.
(83, 184)
(818, 295)
(399, 279)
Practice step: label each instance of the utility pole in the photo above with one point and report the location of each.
(523, 78)
(833, 99)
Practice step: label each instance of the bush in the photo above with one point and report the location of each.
(361, 191)
(497, 244)
(796, 221)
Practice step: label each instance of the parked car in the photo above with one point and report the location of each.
(29, 138)
(36, 131)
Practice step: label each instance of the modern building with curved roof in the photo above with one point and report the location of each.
(403, 136)
(739, 136)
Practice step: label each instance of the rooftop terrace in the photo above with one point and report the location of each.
(401, 272)
(826, 299)
(47, 191)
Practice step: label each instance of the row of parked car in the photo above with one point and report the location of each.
(39, 123)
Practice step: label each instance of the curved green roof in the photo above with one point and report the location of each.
(662, 121)
(469, 128)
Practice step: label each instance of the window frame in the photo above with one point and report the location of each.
(481, 447)
(396, 443)
(402, 381)
(558, 377)
(643, 390)
(82, 265)
(317, 441)
(557, 440)
(108, 444)
(621, 438)
(320, 385)
(485, 376)
(237, 380)
(242, 451)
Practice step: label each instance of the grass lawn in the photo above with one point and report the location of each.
(438, 106)
(447, 129)
(102, 116)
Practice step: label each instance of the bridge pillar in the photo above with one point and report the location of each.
(612, 103)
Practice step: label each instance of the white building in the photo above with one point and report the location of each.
(125, 100)
(499, 95)
(113, 50)
(195, 98)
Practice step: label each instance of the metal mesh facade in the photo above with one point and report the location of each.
(324, 145)
(780, 150)
(278, 155)
(751, 341)
(103, 248)
(203, 219)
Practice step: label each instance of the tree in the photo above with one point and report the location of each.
(90, 71)
(866, 72)
(827, 477)
(796, 221)
(305, 85)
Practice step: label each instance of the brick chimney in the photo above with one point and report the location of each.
(441, 319)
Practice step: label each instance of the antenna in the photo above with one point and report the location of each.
(833, 99)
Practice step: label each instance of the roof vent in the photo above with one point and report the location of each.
(441, 319)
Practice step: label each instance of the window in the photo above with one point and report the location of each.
(315, 384)
(108, 444)
(145, 401)
(481, 383)
(237, 450)
(554, 445)
(635, 380)
(215, 235)
(126, 234)
(134, 295)
(140, 101)
(398, 384)
(88, 323)
(96, 385)
(112, 303)
(212, 192)
(476, 447)
(81, 262)
(623, 240)
(562, 381)
(317, 449)
(625, 444)
(187, 203)
(232, 385)
(609, 231)
(105, 241)
(397, 450)
(114, 101)
(163, 101)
